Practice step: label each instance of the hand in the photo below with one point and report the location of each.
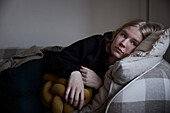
(75, 90)
(90, 78)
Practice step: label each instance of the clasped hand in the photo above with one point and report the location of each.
(75, 89)
(90, 78)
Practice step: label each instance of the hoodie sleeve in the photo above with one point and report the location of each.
(72, 57)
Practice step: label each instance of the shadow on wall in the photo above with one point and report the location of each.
(2, 5)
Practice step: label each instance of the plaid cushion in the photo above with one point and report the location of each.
(147, 94)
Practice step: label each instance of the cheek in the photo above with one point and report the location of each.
(112, 47)
(130, 49)
(115, 41)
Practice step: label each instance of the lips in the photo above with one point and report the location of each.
(119, 50)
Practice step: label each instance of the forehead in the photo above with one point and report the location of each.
(133, 32)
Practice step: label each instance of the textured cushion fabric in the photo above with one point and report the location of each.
(149, 93)
(155, 44)
(132, 67)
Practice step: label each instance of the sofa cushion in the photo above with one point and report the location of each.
(148, 93)
(155, 44)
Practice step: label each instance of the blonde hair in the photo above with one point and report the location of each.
(146, 28)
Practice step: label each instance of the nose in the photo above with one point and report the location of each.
(124, 43)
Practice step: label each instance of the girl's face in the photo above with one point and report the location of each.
(125, 42)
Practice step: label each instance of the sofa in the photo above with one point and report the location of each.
(147, 93)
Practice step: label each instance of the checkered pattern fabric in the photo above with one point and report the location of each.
(149, 93)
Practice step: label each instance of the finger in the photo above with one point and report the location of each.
(81, 100)
(84, 68)
(67, 93)
(71, 97)
(76, 99)
(84, 79)
(85, 83)
(84, 75)
(83, 71)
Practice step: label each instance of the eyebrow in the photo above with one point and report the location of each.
(128, 35)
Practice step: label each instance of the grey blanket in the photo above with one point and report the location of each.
(26, 55)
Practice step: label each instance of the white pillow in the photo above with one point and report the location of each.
(155, 44)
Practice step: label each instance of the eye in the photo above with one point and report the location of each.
(134, 43)
(124, 36)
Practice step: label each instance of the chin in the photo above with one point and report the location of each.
(117, 55)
